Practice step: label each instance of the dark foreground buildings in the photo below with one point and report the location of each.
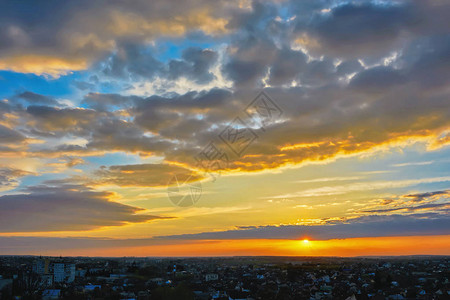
(28, 277)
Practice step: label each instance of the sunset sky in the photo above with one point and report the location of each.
(206, 128)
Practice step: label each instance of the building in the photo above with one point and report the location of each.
(59, 273)
(41, 266)
(63, 272)
(211, 277)
(70, 272)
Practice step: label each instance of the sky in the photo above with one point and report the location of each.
(220, 128)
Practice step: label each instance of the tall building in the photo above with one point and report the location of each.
(70, 272)
(63, 272)
(41, 266)
(59, 273)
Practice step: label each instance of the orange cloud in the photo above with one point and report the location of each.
(135, 24)
(42, 64)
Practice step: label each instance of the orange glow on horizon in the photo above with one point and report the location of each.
(377, 246)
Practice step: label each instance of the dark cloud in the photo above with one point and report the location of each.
(361, 29)
(65, 208)
(115, 134)
(368, 29)
(376, 79)
(135, 62)
(437, 201)
(426, 61)
(286, 67)
(252, 20)
(349, 67)
(53, 119)
(373, 226)
(105, 102)
(83, 85)
(423, 196)
(156, 112)
(132, 61)
(318, 73)
(36, 99)
(250, 59)
(245, 72)
(8, 135)
(196, 65)
(432, 206)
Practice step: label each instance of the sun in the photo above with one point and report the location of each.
(305, 241)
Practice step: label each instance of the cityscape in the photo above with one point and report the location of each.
(225, 278)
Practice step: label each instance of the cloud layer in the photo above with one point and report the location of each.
(65, 208)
